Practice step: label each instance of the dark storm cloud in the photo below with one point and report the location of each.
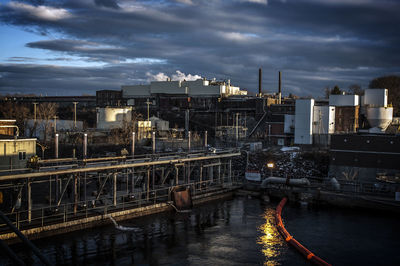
(107, 3)
(315, 43)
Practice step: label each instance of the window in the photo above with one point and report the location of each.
(22, 155)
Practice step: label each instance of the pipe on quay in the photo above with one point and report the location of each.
(299, 182)
(289, 238)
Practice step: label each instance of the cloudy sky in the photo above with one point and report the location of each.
(77, 47)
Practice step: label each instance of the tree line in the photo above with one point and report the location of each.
(391, 83)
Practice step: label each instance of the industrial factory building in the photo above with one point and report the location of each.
(316, 123)
(200, 105)
(200, 87)
(14, 151)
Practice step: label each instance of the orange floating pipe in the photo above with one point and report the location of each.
(289, 238)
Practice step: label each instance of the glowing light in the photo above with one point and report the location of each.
(270, 240)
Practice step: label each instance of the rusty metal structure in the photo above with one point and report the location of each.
(64, 190)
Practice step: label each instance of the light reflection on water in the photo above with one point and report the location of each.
(234, 232)
(271, 241)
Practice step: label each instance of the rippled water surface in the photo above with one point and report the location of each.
(234, 232)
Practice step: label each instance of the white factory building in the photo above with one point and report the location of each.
(316, 122)
(109, 118)
(200, 87)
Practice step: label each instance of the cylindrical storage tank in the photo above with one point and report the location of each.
(380, 117)
(112, 117)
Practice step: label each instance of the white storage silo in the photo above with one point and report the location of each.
(379, 118)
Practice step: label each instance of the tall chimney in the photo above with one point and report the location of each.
(280, 89)
(259, 81)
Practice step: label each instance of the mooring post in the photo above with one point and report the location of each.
(28, 185)
(115, 189)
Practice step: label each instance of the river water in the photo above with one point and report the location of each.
(232, 232)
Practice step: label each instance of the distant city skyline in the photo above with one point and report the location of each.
(80, 46)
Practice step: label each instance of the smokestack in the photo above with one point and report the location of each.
(280, 89)
(259, 81)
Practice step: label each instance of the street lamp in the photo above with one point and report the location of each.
(270, 165)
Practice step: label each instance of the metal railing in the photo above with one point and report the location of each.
(44, 216)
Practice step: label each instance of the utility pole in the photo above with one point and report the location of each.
(148, 128)
(75, 103)
(148, 110)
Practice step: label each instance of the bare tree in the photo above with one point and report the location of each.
(46, 112)
(19, 112)
(392, 83)
(356, 89)
(123, 135)
(327, 92)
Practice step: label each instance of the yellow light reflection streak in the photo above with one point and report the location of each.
(270, 240)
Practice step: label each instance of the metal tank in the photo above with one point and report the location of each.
(379, 118)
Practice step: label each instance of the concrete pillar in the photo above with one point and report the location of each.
(237, 128)
(84, 188)
(29, 192)
(176, 176)
(188, 172)
(115, 189)
(189, 140)
(50, 196)
(211, 173)
(84, 145)
(153, 177)
(133, 144)
(219, 172)
(186, 121)
(205, 139)
(57, 191)
(154, 142)
(201, 176)
(148, 184)
(75, 193)
(56, 146)
(230, 171)
(133, 180)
